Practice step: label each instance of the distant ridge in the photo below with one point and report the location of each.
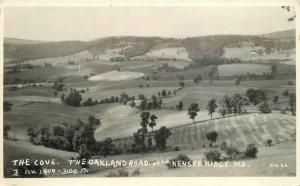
(17, 41)
(285, 34)
(197, 48)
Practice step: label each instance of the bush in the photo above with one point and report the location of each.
(73, 99)
(7, 106)
(212, 137)
(176, 148)
(223, 145)
(251, 151)
(181, 158)
(232, 152)
(119, 173)
(136, 172)
(213, 156)
(269, 142)
(264, 107)
(286, 93)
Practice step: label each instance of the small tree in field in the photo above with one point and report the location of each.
(222, 112)
(292, 102)
(181, 84)
(6, 128)
(212, 137)
(132, 103)
(269, 142)
(152, 122)
(211, 107)
(161, 137)
(213, 156)
(7, 106)
(286, 93)
(179, 106)
(84, 155)
(192, 111)
(275, 99)
(251, 151)
(107, 147)
(163, 93)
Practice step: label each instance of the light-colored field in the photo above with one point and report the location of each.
(109, 53)
(243, 69)
(252, 53)
(122, 121)
(77, 57)
(176, 52)
(117, 76)
(70, 72)
(241, 53)
(239, 130)
(285, 152)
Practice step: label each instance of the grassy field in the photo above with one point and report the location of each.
(277, 154)
(45, 114)
(117, 76)
(15, 150)
(237, 130)
(243, 69)
(281, 153)
(179, 52)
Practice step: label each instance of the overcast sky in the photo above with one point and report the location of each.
(54, 24)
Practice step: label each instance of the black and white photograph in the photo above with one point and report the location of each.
(149, 91)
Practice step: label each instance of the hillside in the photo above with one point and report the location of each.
(126, 47)
(42, 50)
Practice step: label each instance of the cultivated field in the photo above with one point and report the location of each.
(117, 76)
(243, 69)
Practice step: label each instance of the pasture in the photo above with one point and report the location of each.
(243, 69)
(257, 167)
(116, 76)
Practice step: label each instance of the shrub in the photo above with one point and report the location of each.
(212, 137)
(73, 99)
(269, 142)
(119, 173)
(136, 172)
(264, 107)
(251, 151)
(232, 152)
(286, 93)
(7, 106)
(181, 158)
(275, 99)
(223, 145)
(176, 148)
(213, 156)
